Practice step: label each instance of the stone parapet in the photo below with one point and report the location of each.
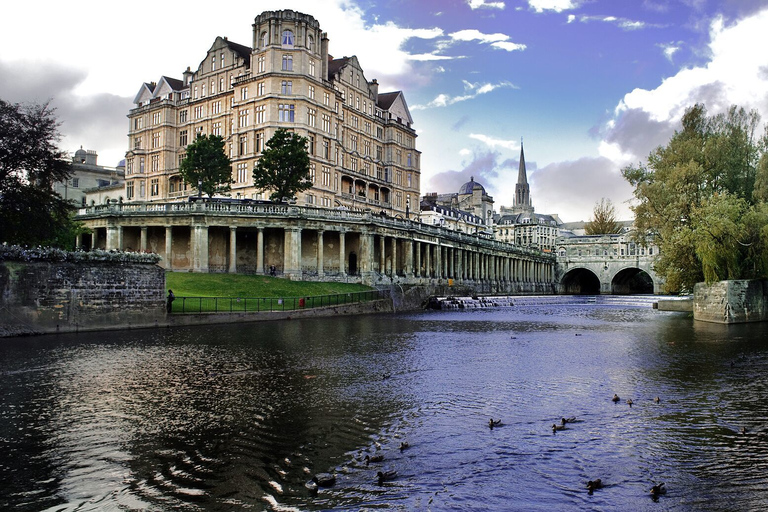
(730, 302)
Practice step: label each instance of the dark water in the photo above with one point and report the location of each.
(240, 417)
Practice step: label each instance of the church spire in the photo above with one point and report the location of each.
(522, 201)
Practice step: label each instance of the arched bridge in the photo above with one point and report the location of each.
(606, 264)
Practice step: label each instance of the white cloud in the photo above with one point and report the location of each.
(669, 50)
(552, 5)
(472, 90)
(493, 143)
(497, 40)
(484, 4)
(464, 152)
(571, 18)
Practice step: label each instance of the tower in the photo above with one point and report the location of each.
(522, 203)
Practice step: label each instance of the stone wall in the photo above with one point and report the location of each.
(729, 302)
(48, 297)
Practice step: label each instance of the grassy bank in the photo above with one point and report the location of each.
(237, 285)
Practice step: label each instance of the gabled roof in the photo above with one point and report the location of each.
(394, 103)
(335, 66)
(145, 93)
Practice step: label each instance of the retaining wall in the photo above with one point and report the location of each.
(730, 302)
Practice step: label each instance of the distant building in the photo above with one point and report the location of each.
(362, 145)
(471, 199)
(88, 178)
(436, 213)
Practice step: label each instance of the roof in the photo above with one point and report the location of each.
(470, 186)
(335, 65)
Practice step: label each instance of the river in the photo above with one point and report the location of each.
(241, 416)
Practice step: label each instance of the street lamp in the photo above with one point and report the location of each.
(407, 208)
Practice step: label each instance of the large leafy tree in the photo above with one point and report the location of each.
(702, 198)
(206, 166)
(31, 213)
(283, 166)
(603, 219)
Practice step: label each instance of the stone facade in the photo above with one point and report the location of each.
(44, 297)
(362, 145)
(730, 302)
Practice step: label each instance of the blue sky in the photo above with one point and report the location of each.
(590, 86)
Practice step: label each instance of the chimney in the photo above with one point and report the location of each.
(324, 56)
(375, 90)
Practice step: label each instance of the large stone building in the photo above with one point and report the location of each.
(89, 182)
(361, 142)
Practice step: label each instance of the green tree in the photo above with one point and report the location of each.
(702, 199)
(283, 166)
(31, 213)
(603, 219)
(206, 166)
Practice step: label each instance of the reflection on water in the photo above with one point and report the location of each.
(230, 417)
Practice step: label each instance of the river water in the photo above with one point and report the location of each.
(241, 416)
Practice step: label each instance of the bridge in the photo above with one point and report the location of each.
(606, 264)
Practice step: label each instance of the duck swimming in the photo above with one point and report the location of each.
(658, 489)
(657, 400)
(493, 423)
(568, 420)
(375, 458)
(383, 476)
(615, 398)
(594, 484)
(556, 427)
(404, 445)
(324, 479)
(630, 402)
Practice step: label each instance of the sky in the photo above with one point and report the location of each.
(588, 86)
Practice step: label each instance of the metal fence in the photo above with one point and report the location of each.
(258, 304)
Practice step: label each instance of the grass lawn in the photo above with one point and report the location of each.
(191, 284)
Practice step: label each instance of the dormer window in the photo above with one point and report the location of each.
(287, 38)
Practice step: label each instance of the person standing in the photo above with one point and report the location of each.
(171, 298)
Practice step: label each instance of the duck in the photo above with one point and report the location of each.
(404, 445)
(743, 430)
(657, 400)
(324, 479)
(630, 402)
(383, 476)
(615, 398)
(594, 484)
(493, 423)
(556, 427)
(658, 489)
(568, 420)
(375, 458)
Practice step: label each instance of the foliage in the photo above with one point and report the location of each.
(31, 212)
(702, 198)
(603, 219)
(18, 253)
(283, 166)
(242, 285)
(206, 166)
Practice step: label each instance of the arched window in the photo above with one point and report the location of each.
(287, 38)
(264, 39)
(310, 43)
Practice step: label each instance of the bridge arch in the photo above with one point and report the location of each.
(580, 281)
(631, 281)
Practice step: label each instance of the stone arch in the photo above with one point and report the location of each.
(631, 281)
(580, 281)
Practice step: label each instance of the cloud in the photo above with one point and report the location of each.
(669, 50)
(483, 168)
(473, 90)
(484, 4)
(492, 142)
(553, 5)
(622, 23)
(497, 40)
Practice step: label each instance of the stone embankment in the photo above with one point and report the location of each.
(730, 302)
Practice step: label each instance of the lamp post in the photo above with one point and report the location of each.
(407, 208)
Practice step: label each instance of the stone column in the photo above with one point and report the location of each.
(394, 256)
(418, 259)
(292, 253)
(119, 238)
(428, 261)
(233, 249)
(200, 249)
(320, 271)
(408, 269)
(112, 238)
(259, 250)
(168, 248)
(342, 253)
(79, 240)
(382, 255)
(143, 240)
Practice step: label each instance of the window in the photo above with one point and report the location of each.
(216, 107)
(285, 113)
(312, 173)
(199, 111)
(259, 142)
(243, 94)
(138, 123)
(213, 63)
(242, 172)
(260, 89)
(311, 144)
(154, 187)
(155, 163)
(243, 145)
(311, 68)
(367, 168)
(213, 87)
(326, 98)
(264, 39)
(261, 114)
(367, 148)
(243, 118)
(311, 115)
(156, 117)
(76, 182)
(129, 166)
(310, 43)
(261, 64)
(354, 142)
(326, 123)
(311, 91)
(310, 199)
(326, 176)
(222, 59)
(287, 38)
(216, 129)
(137, 143)
(326, 149)
(155, 140)
(408, 160)
(202, 95)
(198, 131)
(129, 190)
(183, 116)
(221, 84)
(286, 87)
(353, 164)
(287, 63)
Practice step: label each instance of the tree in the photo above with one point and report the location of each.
(206, 166)
(702, 200)
(603, 219)
(283, 166)
(31, 213)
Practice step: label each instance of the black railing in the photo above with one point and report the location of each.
(266, 304)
